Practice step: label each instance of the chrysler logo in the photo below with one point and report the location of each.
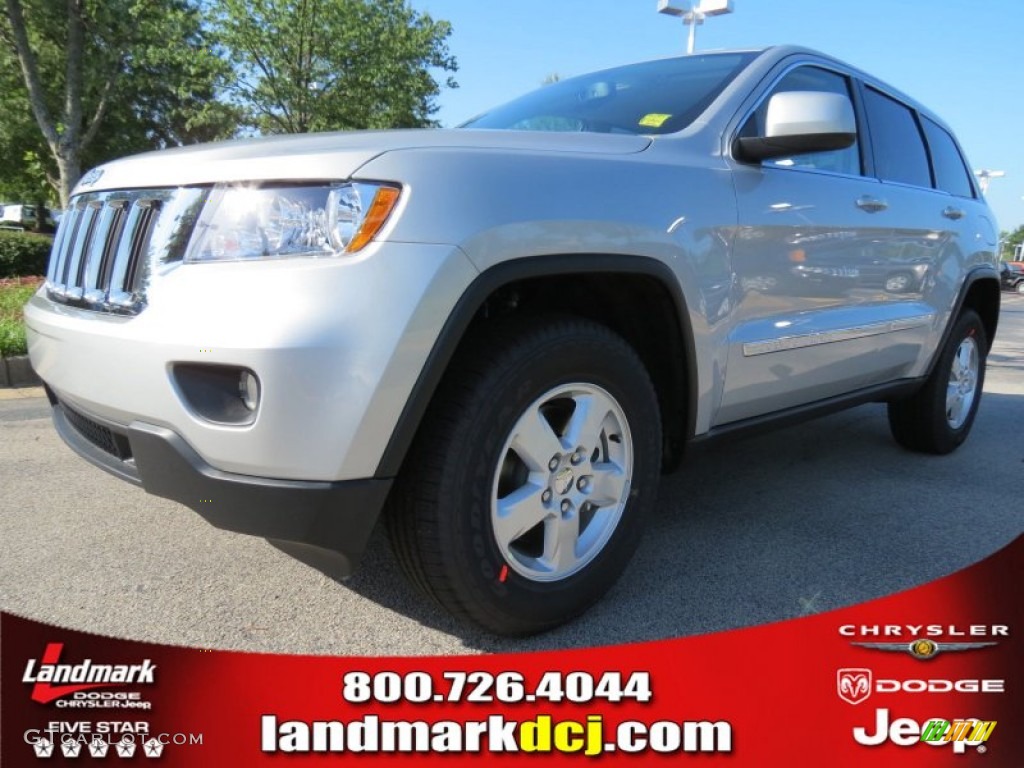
(853, 685)
(923, 648)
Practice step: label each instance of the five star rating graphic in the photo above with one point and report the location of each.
(45, 747)
(71, 748)
(98, 747)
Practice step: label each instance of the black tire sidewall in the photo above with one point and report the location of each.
(948, 438)
(473, 560)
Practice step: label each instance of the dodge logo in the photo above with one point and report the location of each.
(853, 685)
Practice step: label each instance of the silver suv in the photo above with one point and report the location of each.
(503, 337)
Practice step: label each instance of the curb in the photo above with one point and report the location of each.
(17, 372)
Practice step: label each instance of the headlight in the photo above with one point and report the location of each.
(249, 222)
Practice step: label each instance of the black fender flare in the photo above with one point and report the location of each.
(506, 273)
(974, 276)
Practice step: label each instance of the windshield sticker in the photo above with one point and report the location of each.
(654, 120)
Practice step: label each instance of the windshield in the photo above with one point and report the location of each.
(654, 97)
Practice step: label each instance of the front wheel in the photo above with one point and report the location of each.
(938, 418)
(525, 493)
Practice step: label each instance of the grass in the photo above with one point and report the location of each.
(14, 292)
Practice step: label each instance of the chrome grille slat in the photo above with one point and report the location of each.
(124, 253)
(105, 254)
(94, 256)
(59, 253)
(120, 208)
(86, 230)
(143, 232)
(67, 246)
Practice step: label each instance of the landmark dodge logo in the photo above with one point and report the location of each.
(79, 677)
(853, 685)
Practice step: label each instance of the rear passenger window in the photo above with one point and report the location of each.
(947, 162)
(899, 149)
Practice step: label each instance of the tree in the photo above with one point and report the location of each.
(1010, 241)
(314, 65)
(103, 78)
(22, 168)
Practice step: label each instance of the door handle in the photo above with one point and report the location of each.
(871, 204)
(952, 213)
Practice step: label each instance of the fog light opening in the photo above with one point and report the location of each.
(249, 390)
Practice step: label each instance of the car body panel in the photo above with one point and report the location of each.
(322, 156)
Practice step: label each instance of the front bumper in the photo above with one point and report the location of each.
(334, 516)
(337, 346)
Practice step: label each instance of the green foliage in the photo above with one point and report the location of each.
(13, 295)
(23, 253)
(152, 67)
(149, 75)
(12, 338)
(1010, 241)
(315, 65)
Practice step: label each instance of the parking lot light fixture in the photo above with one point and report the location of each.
(693, 14)
(985, 176)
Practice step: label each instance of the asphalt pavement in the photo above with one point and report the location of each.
(803, 520)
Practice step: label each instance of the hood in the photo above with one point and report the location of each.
(323, 156)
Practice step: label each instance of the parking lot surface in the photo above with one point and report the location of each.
(803, 520)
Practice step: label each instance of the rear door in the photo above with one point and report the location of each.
(941, 227)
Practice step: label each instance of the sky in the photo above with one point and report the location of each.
(963, 60)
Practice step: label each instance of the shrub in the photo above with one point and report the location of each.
(13, 295)
(12, 339)
(23, 253)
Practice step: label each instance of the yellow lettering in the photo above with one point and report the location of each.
(535, 735)
(568, 736)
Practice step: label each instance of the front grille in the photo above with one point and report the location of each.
(109, 243)
(104, 438)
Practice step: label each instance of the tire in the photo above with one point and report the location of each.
(1020, 287)
(899, 282)
(496, 515)
(938, 418)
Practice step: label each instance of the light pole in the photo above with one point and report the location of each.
(694, 13)
(985, 176)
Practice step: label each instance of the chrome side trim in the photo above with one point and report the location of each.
(754, 348)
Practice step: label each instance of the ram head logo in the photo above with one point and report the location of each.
(853, 685)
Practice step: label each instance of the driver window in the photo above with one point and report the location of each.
(845, 161)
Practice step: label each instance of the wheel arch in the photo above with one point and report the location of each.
(651, 315)
(980, 292)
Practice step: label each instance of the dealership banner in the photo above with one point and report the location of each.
(929, 677)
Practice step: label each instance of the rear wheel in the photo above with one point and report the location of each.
(938, 418)
(525, 493)
(1020, 287)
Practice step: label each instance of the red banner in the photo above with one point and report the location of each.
(929, 677)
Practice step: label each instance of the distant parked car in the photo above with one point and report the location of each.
(20, 216)
(1011, 276)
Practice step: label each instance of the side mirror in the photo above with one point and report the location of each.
(799, 122)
